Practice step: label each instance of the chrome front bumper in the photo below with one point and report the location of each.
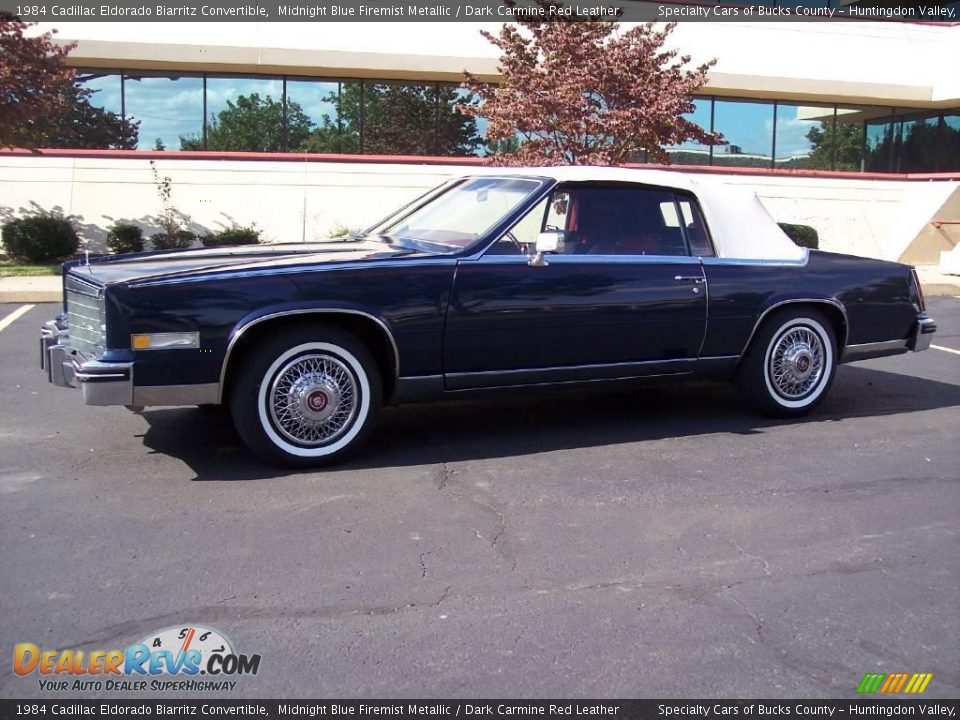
(922, 334)
(102, 383)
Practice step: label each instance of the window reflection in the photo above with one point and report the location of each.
(748, 129)
(919, 150)
(302, 114)
(399, 118)
(690, 152)
(804, 136)
(880, 146)
(169, 109)
(950, 143)
(247, 114)
(846, 143)
(457, 134)
(106, 91)
(320, 102)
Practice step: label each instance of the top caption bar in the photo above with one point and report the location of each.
(462, 11)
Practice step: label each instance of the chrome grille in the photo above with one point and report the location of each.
(86, 317)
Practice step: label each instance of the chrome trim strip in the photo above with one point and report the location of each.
(794, 301)
(590, 259)
(552, 383)
(312, 311)
(552, 368)
(708, 358)
(83, 287)
(82, 376)
(863, 351)
(199, 394)
(758, 261)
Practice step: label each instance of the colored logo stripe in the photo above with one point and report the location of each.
(894, 683)
(870, 683)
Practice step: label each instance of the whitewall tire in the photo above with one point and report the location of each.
(306, 397)
(790, 364)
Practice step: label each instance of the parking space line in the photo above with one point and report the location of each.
(945, 349)
(12, 317)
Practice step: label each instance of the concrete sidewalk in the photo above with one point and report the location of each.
(46, 288)
(935, 282)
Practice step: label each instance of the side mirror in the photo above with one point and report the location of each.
(547, 242)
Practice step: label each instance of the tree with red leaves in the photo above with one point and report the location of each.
(42, 101)
(583, 93)
(33, 81)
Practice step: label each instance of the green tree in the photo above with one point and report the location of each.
(254, 124)
(398, 119)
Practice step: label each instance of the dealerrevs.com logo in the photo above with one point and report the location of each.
(176, 658)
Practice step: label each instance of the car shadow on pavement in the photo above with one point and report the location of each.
(205, 440)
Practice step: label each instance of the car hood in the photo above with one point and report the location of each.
(141, 267)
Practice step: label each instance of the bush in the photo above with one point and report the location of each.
(124, 238)
(177, 241)
(40, 238)
(237, 235)
(802, 235)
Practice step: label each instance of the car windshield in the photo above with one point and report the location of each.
(461, 214)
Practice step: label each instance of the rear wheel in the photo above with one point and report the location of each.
(307, 397)
(790, 364)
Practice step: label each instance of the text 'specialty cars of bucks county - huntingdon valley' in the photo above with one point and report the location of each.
(499, 280)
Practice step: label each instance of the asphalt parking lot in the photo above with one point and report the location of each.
(653, 544)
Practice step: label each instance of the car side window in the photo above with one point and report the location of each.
(619, 220)
(522, 237)
(697, 235)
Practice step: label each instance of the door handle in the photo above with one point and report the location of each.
(689, 278)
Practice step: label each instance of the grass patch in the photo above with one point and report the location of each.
(11, 269)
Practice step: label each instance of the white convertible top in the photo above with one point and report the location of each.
(739, 224)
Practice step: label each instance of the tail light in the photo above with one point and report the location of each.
(921, 301)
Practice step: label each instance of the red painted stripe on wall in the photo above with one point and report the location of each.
(440, 160)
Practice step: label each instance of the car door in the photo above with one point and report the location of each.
(622, 298)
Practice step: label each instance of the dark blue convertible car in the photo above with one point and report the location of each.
(533, 277)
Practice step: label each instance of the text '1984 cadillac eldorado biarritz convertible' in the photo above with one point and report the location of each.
(500, 280)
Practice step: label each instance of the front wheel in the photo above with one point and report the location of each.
(307, 397)
(790, 364)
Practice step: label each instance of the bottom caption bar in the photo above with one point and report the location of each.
(678, 709)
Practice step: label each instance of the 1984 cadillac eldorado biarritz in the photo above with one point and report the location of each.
(532, 277)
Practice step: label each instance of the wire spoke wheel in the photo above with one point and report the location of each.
(313, 399)
(797, 363)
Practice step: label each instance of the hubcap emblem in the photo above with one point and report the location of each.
(317, 401)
